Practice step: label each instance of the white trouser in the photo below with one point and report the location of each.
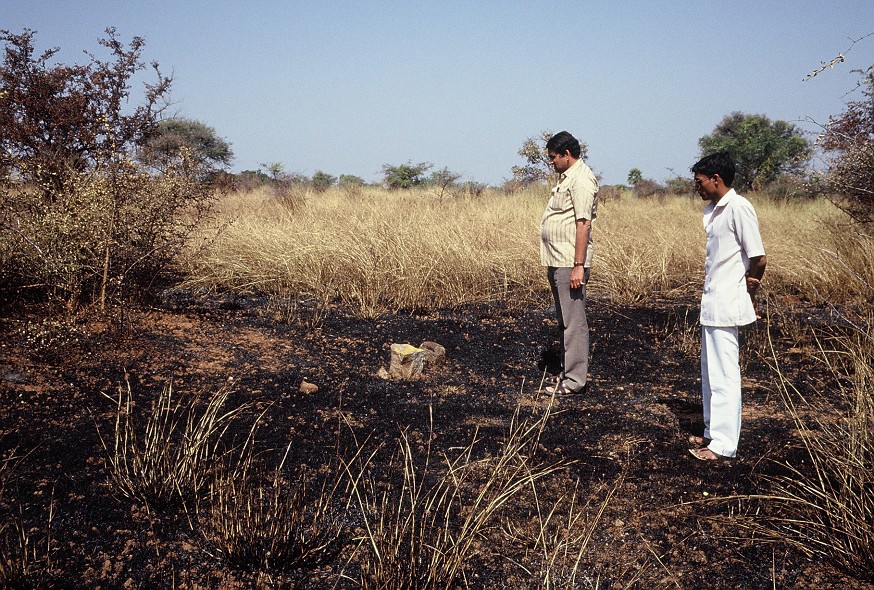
(720, 388)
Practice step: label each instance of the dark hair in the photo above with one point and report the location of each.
(562, 142)
(719, 163)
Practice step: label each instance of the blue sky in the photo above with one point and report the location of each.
(345, 87)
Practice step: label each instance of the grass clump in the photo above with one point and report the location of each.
(274, 523)
(161, 458)
(824, 505)
(429, 530)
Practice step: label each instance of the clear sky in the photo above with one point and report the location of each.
(345, 86)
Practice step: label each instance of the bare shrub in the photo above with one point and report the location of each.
(81, 218)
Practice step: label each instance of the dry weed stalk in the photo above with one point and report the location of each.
(824, 504)
(426, 532)
(162, 459)
(25, 553)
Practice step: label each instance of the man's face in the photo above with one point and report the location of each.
(560, 162)
(706, 186)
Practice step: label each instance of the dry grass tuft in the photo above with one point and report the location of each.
(429, 531)
(161, 458)
(828, 508)
(273, 523)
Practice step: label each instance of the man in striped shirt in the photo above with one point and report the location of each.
(566, 251)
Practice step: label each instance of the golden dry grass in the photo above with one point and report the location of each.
(379, 251)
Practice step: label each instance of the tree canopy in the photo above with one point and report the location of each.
(405, 175)
(166, 140)
(762, 150)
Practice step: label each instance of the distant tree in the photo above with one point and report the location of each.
(275, 169)
(848, 141)
(406, 175)
(322, 181)
(537, 168)
(680, 186)
(763, 150)
(634, 176)
(443, 180)
(165, 143)
(350, 180)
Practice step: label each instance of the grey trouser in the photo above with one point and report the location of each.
(570, 310)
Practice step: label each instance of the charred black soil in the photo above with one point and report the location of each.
(625, 439)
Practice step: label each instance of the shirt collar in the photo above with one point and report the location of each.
(564, 174)
(726, 198)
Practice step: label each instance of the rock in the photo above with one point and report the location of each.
(435, 354)
(306, 387)
(382, 373)
(406, 361)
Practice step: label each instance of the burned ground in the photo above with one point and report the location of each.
(663, 526)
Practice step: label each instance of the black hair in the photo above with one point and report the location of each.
(720, 163)
(563, 142)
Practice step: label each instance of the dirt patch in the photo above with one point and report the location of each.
(625, 440)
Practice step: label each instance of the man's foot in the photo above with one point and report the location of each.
(698, 441)
(705, 454)
(562, 389)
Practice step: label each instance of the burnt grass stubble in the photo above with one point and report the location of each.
(627, 434)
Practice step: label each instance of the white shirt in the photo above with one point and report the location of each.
(733, 238)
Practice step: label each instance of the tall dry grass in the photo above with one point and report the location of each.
(379, 252)
(825, 506)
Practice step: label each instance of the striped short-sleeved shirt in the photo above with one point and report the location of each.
(575, 197)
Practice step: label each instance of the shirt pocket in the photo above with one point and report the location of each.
(559, 199)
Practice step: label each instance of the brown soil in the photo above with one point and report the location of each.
(661, 527)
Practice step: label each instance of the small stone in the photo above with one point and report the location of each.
(306, 387)
(382, 373)
(435, 354)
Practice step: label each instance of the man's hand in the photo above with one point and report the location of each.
(578, 277)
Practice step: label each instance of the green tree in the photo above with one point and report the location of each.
(634, 176)
(405, 176)
(443, 180)
(350, 180)
(762, 150)
(322, 181)
(165, 143)
(848, 141)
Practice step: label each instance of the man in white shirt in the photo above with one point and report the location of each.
(566, 251)
(733, 269)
